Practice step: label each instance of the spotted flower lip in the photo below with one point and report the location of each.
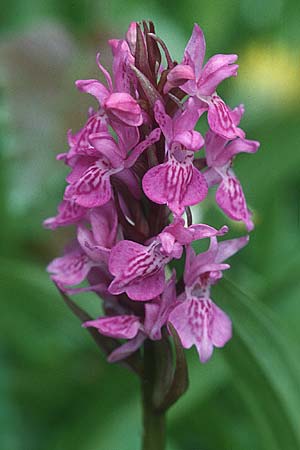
(89, 182)
(196, 318)
(219, 155)
(177, 182)
(139, 269)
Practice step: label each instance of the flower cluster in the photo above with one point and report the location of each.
(135, 171)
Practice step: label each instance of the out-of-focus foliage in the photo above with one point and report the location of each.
(57, 392)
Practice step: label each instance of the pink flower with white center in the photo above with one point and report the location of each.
(113, 105)
(177, 182)
(134, 328)
(197, 320)
(89, 181)
(219, 155)
(139, 269)
(201, 83)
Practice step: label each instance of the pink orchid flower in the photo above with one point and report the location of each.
(177, 182)
(197, 320)
(139, 269)
(219, 155)
(91, 251)
(134, 328)
(201, 83)
(115, 105)
(89, 181)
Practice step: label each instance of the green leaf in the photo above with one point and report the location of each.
(265, 367)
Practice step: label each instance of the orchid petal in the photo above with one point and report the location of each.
(90, 186)
(138, 270)
(228, 248)
(124, 108)
(176, 184)
(163, 120)
(230, 197)
(201, 323)
(191, 140)
(195, 50)
(70, 269)
(93, 87)
(217, 69)
(119, 327)
(68, 213)
(220, 120)
(127, 349)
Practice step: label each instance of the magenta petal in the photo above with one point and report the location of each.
(127, 349)
(191, 140)
(220, 120)
(217, 69)
(176, 184)
(124, 108)
(138, 270)
(104, 223)
(153, 137)
(105, 145)
(128, 136)
(222, 327)
(123, 76)
(201, 323)
(157, 311)
(237, 114)
(71, 268)
(188, 118)
(119, 327)
(93, 87)
(178, 76)
(163, 120)
(68, 213)
(195, 50)
(93, 187)
(87, 242)
(186, 235)
(214, 149)
(131, 37)
(228, 248)
(147, 288)
(237, 146)
(212, 177)
(231, 199)
(191, 321)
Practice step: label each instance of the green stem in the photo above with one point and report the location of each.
(154, 423)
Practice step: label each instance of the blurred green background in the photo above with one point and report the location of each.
(56, 390)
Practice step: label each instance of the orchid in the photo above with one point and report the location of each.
(219, 155)
(197, 320)
(201, 83)
(177, 182)
(135, 171)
